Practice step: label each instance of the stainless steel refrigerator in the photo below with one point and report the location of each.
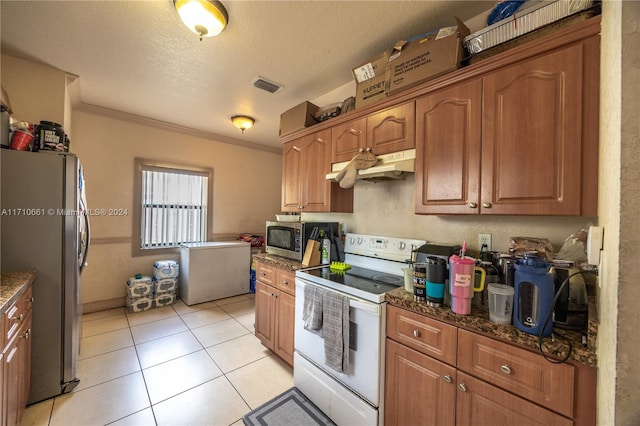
(45, 227)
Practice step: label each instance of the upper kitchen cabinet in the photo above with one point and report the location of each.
(383, 132)
(448, 150)
(305, 163)
(516, 138)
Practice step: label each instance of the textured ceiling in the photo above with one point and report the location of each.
(137, 57)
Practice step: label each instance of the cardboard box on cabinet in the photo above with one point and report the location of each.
(425, 57)
(298, 117)
(371, 80)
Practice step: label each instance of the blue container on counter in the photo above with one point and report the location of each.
(533, 296)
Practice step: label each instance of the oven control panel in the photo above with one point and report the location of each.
(389, 248)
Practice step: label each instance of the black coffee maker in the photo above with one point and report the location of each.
(572, 307)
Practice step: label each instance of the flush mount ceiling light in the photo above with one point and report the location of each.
(207, 18)
(242, 122)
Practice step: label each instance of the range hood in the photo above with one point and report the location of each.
(389, 166)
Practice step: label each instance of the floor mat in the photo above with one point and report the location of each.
(287, 409)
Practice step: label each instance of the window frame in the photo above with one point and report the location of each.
(142, 164)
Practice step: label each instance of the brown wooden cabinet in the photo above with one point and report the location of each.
(518, 140)
(419, 390)
(448, 150)
(16, 359)
(438, 374)
(275, 307)
(305, 163)
(383, 132)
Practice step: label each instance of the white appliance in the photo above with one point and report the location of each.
(355, 397)
(214, 270)
(389, 166)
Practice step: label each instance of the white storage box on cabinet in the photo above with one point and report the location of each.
(214, 270)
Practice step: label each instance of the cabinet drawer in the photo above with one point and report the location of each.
(266, 273)
(479, 403)
(423, 334)
(16, 315)
(285, 281)
(517, 370)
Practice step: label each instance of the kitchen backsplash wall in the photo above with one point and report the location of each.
(386, 208)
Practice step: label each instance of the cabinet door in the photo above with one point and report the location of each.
(316, 189)
(12, 391)
(392, 130)
(25, 363)
(265, 314)
(448, 124)
(419, 390)
(291, 169)
(479, 403)
(347, 139)
(532, 138)
(284, 324)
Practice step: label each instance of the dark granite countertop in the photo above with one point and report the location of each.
(478, 321)
(12, 285)
(278, 262)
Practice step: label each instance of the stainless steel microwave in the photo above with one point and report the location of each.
(289, 239)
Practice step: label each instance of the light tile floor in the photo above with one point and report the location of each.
(177, 365)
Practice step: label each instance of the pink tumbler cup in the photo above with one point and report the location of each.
(462, 283)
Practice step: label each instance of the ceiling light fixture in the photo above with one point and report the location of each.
(207, 18)
(242, 122)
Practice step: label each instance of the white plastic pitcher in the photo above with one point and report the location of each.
(500, 303)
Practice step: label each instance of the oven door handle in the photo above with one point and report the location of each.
(369, 307)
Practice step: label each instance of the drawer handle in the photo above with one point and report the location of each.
(446, 378)
(486, 205)
(505, 369)
(473, 205)
(19, 317)
(416, 333)
(462, 387)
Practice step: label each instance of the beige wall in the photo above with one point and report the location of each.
(37, 92)
(619, 339)
(246, 190)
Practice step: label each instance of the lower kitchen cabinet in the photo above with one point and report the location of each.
(419, 390)
(438, 374)
(275, 306)
(479, 403)
(16, 359)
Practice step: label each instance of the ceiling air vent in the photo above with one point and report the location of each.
(266, 85)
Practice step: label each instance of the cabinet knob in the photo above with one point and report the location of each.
(19, 317)
(360, 150)
(505, 369)
(285, 282)
(462, 387)
(446, 378)
(27, 334)
(301, 207)
(31, 299)
(486, 205)
(473, 205)
(416, 333)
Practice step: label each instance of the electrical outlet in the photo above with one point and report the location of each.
(484, 240)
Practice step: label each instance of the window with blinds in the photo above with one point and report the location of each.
(174, 205)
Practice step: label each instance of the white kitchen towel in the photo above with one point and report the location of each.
(335, 331)
(312, 308)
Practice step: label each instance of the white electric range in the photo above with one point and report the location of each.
(355, 396)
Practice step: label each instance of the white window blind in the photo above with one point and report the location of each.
(173, 207)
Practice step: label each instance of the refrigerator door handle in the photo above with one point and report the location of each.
(85, 217)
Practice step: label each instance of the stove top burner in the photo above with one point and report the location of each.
(359, 278)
